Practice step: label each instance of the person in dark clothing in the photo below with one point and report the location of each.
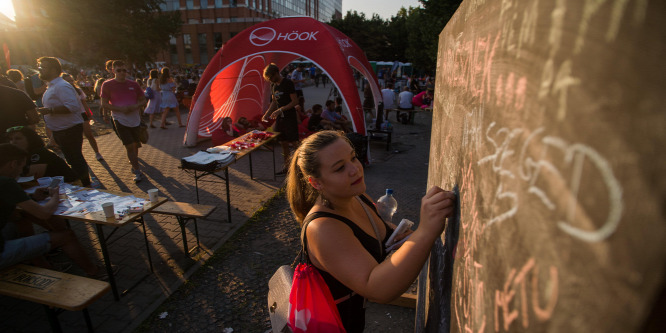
(42, 162)
(326, 186)
(283, 101)
(18, 241)
(16, 109)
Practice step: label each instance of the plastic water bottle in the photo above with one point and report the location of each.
(386, 205)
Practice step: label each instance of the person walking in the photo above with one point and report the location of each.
(62, 115)
(283, 101)
(297, 78)
(169, 100)
(124, 98)
(154, 106)
(87, 130)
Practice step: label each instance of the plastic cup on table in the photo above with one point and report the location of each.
(108, 209)
(152, 195)
(44, 181)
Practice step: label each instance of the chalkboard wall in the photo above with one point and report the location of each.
(550, 117)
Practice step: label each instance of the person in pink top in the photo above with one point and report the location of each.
(125, 99)
(423, 99)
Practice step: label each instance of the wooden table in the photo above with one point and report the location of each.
(198, 174)
(100, 220)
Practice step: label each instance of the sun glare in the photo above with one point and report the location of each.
(7, 8)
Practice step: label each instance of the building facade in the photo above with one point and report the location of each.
(208, 24)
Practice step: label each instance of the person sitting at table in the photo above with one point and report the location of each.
(15, 249)
(336, 120)
(225, 133)
(243, 126)
(423, 99)
(42, 162)
(316, 122)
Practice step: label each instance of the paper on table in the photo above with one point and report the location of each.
(204, 158)
(25, 179)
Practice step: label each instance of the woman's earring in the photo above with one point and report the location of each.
(325, 201)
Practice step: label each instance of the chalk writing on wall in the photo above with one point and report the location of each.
(548, 118)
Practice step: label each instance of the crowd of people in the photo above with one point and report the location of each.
(325, 179)
(60, 100)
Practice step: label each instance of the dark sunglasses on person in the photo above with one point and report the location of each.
(121, 70)
(14, 129)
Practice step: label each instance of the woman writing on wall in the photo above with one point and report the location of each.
(326, 186)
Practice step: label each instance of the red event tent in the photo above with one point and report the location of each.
(232, 85)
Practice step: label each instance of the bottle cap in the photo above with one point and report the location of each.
(389, 191)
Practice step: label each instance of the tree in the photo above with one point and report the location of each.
(425, 24)
(369, 35)
(412, 35)
(91, 31)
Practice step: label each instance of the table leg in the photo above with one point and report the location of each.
(388, 141)
(273, 161)
(86, 316)
(53, 319)
(196, 184)
(226, 181)
(182, 221)
(251, 175)
(107, 261)
(145, 238)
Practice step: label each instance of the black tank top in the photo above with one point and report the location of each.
(352, 312)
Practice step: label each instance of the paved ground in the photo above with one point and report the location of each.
(229, 290)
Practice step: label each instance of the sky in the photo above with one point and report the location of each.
(385, 8)
(7, 8)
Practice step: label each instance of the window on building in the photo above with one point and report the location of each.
(189, 4)
(233, 3)
(203, 49)
(193, 21)
(187, 42)
(219, 20)
(173, 50)
(232, 34)
(218, 3)
(218, 41)
(204, 4)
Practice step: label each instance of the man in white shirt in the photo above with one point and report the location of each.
(388, 98)
(405, 101)
(62, 115)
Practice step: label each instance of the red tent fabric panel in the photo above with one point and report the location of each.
(232, 85)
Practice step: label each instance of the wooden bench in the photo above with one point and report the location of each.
(185, 212)
(53, 290)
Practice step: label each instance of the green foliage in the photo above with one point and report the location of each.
(412, 35)
(91, 31)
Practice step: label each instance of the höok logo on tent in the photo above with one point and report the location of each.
(262, 36)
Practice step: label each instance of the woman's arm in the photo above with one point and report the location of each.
(352, 265)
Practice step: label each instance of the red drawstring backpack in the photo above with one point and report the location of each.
(311, 305)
